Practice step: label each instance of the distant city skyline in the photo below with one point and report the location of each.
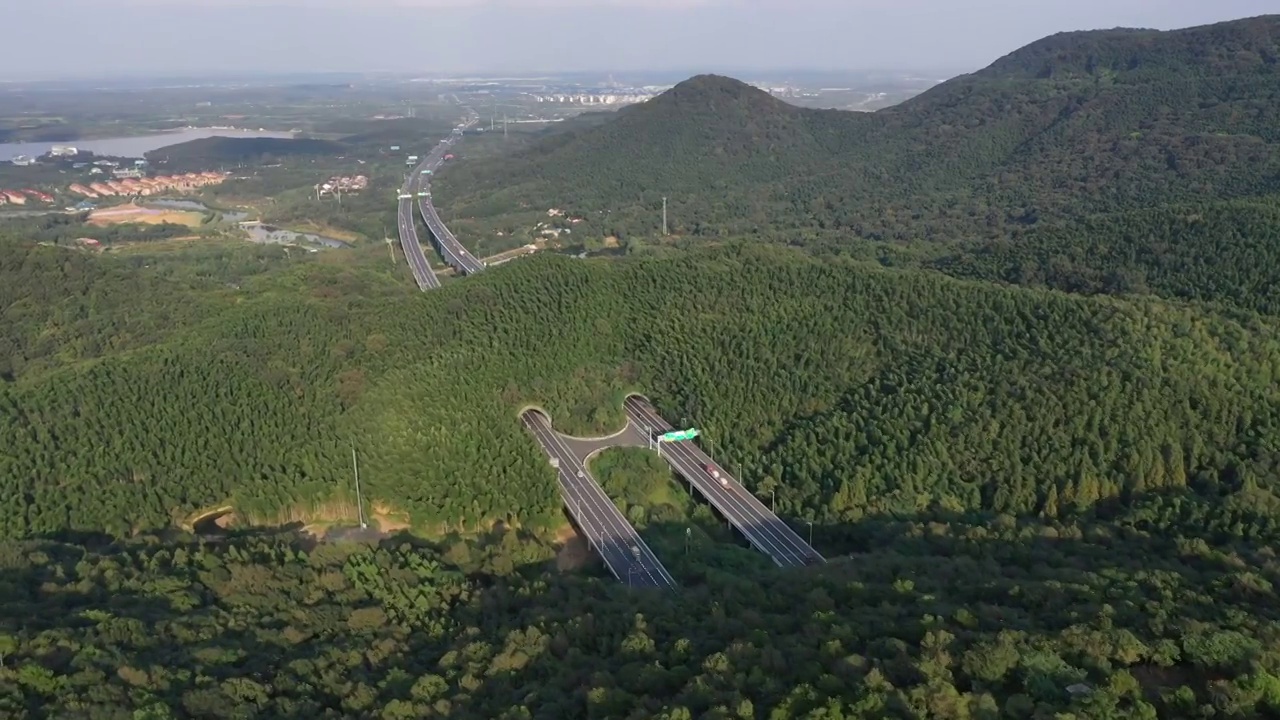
(57, 39)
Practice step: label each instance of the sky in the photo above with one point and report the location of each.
(47, 39)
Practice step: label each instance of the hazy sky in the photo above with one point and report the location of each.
(53, 38)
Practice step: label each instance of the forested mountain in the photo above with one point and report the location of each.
(1036, 503)
(855, 391)
(1075, 124)
(1220, 251)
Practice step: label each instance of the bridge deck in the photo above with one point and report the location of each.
(763, 529)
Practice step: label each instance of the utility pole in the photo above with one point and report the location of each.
(359, 504)
(664, 217)
(504, 126)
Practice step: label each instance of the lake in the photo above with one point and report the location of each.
(276, 236)
(231, 216)
(132, 147)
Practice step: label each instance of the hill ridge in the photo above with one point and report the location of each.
(1189, 113)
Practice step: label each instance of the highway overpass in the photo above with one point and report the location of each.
(407, 224)
(623, 550)
(761, 527)
(454, 254)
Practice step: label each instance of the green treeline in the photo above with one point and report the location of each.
(852, 389)
(932, 618)
(1216, 251)
(60, 306)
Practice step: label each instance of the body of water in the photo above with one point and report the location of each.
(132, 147)
(227, 216)
(277, 236)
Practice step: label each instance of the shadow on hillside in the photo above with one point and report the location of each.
(973, 575)
(570, 645)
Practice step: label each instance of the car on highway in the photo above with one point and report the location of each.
(715, 473)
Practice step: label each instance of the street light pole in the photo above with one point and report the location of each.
(810, 533)
(359, 504)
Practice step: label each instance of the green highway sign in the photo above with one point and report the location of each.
(675, 435)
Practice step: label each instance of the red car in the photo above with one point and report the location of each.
(715, 473)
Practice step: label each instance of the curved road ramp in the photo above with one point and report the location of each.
(610, 535)
(762, 528)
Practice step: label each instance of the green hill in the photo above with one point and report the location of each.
(218, 151)
(1020, 490)
(855, 390)
(1075, 124)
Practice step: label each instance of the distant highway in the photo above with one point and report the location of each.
(624, 551)
(457, 256)
(422, 272)
(762, 528)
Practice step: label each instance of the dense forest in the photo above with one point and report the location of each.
(1221, 251)
(851, 390)
(939, 619)
(1036, 504)
(1077, 124)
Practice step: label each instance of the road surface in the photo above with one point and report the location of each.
(763, 529)
(450, 249)
(422, 272)
(623, 550)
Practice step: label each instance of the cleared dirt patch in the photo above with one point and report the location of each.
(511, 254)
(316, 520)
(574, 551)
(138, 214)
(388, 519)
